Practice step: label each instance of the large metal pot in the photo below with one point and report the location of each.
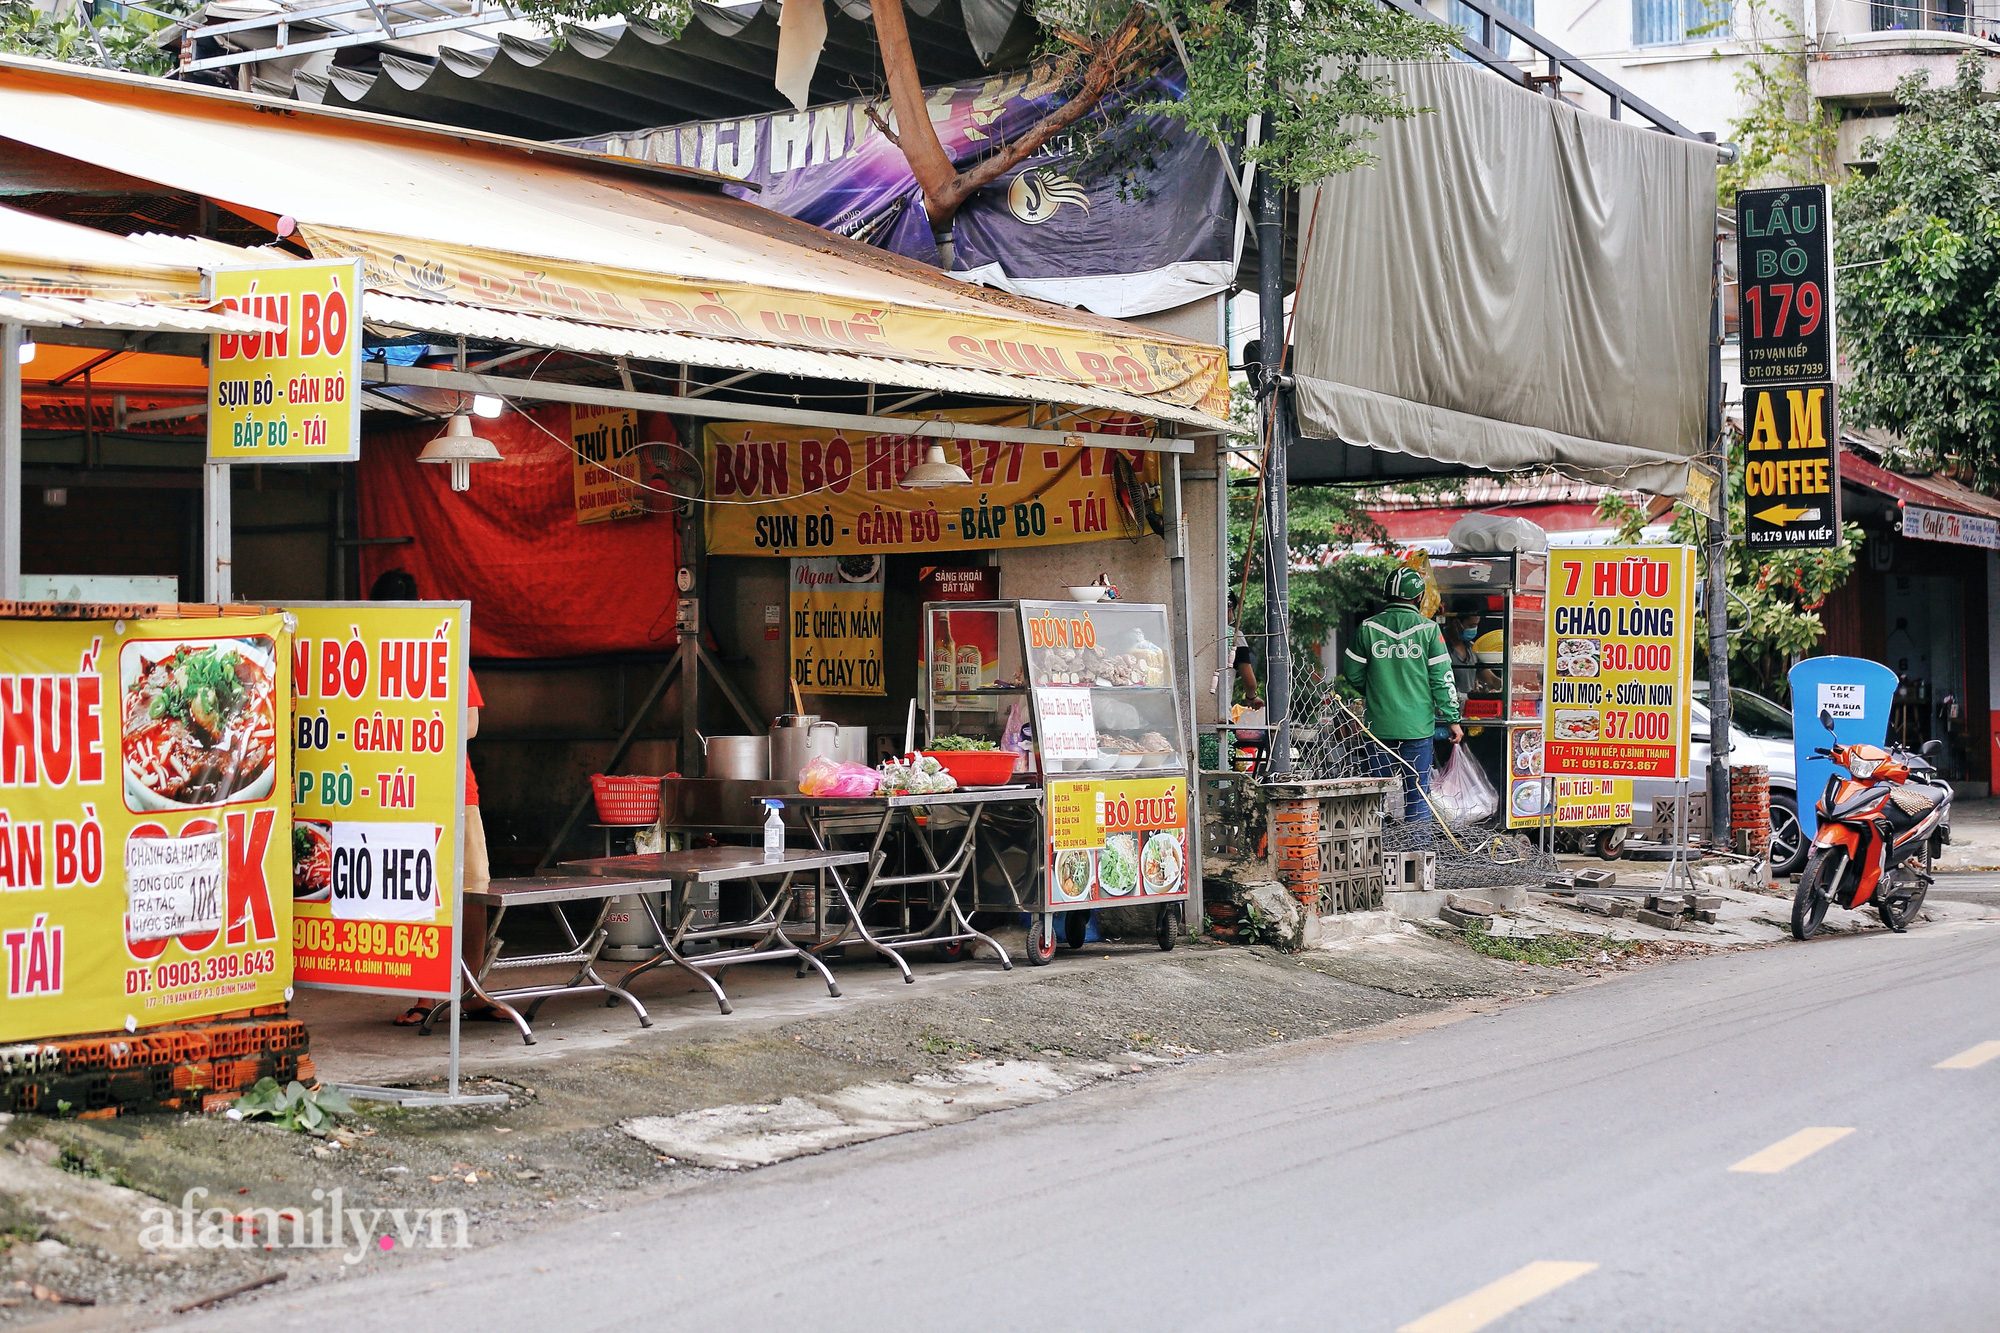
(852, 746)
(745, 758)
(796, 740)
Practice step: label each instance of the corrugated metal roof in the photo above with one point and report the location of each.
(454, 320)
(624, 75)
(61, 312)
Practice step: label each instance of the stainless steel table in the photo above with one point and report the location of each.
(948, 925)
(715, 865)
(502, 895)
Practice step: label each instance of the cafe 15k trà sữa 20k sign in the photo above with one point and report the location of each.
(1621, 624)
(378, 801)
(809, 491)
(143, 775)
(292, 395)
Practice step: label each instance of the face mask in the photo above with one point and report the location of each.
(1469, 634)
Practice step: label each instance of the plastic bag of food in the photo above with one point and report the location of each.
(823, 777)
(1463, 795)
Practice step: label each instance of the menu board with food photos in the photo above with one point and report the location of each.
(143, 843)
(1114, 841)
(1620, 640)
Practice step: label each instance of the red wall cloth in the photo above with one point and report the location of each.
(540, 583)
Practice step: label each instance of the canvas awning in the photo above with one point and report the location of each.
(1514, 283)
(455, 217)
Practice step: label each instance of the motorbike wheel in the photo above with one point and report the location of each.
(1898, 911)
(1815, 892)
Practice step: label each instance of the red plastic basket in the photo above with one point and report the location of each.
(977, 768)
(625, 800)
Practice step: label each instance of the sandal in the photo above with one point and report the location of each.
(412, 1017)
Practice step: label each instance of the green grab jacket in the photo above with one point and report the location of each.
(1399, 664)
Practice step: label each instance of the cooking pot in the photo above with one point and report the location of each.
(796, 740)
(745, 758)
(851, 747)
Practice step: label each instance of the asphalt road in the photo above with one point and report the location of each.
(1575, 1150)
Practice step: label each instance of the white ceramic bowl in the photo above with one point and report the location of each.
(1102, 762)
(1130, 760)
(1090, 594)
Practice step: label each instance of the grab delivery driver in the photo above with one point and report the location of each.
(1399, 665)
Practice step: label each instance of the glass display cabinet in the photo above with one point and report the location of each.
(1085, 693)
(1503, 598)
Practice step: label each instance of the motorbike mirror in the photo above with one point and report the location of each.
(1826, 719)
(1931, 750)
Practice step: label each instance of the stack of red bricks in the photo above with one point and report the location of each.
(1750, 808)
(196, 1067)
(1295, 849)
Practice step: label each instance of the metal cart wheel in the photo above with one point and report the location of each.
(950, 951)
(1611, 842)
(1076, 925)
(1170, 926)
(1041, 940)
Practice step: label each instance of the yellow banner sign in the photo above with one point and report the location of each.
(606, 444)
(292, 396)
(1621, 633)
(837, 625)
(1117, 839)
(144, 840)
(377, 804)
(929, 326)
(792, 491)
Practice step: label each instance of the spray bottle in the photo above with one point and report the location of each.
(774, 830)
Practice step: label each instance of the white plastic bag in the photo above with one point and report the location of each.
(1487, 533)
(1463, 795)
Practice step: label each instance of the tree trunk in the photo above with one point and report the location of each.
(945, 187)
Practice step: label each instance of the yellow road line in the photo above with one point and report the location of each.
(1972, 1059)
(1791, 1151)
(1495, 1299)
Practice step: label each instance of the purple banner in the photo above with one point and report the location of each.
(1035, 231)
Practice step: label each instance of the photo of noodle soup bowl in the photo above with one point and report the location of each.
(1576, 724)
(199, 721)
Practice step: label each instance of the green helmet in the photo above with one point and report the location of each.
(1404, 585)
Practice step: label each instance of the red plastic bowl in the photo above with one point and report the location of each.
(977, 768)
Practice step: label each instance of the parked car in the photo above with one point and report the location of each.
(1760, 732)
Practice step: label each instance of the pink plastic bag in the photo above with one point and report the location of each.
(823, 777)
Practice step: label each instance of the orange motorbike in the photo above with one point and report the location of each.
(1880, 828)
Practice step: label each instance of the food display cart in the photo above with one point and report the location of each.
(1084, 693)
(1500, 677)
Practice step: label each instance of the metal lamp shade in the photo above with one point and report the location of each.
(934, 473)
(459, 447)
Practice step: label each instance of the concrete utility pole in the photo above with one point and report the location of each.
(1718, 586)
(1277, 438)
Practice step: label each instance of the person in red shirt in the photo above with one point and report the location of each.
(399, 585)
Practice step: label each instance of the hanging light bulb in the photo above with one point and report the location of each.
(27, 350)
(459, 447)
(934, 473)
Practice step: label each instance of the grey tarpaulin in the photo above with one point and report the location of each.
(1514, 283)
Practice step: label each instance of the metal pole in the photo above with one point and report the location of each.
(10, 462)
(1277, 519)
(1718, 588)
(216, 554)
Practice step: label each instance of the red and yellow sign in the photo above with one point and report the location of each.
(1115, 840)
(377, 803)
(291, 395)
(142, 827)
(605, 444)
(1621, 630)
(807, 491)
(837, 626)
